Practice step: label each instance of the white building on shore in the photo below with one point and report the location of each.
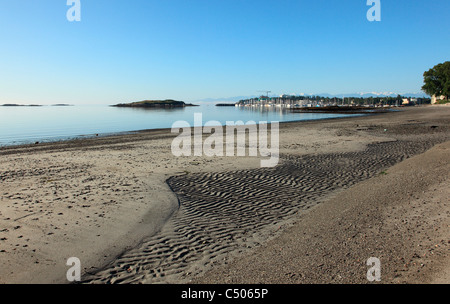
(435, 98)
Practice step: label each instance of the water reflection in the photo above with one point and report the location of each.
(19, 125)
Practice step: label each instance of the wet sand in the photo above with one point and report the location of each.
(344, 190)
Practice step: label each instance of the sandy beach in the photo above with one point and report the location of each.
(344, 190)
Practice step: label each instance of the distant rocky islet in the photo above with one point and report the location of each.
(168, 103)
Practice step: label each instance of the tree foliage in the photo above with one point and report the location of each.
(437, 80)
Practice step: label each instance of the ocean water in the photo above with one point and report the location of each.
(23, 125)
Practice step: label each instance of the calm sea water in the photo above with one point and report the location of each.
(22, 125)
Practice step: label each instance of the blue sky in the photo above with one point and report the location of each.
(124, 51)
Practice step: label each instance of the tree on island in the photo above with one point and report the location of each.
(437, 80)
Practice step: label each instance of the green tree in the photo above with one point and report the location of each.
(437, 80)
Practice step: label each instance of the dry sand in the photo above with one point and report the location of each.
(132, 212)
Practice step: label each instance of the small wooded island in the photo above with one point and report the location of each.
(168, 103)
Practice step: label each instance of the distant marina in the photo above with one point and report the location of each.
(294, 101)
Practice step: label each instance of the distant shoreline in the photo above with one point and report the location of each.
(19, 105)
(341, 110)
(225, 105)
(35, 105)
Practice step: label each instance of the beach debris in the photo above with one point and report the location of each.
(128, 268)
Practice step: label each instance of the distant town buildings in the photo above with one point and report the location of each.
(293, 101)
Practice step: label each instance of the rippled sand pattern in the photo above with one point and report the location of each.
(225, 213)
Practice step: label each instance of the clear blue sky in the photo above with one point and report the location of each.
(192, 49)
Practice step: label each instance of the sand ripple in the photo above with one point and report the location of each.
(225, 213)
